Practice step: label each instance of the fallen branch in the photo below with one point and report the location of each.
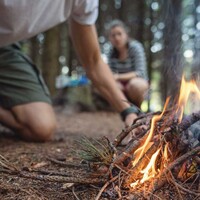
(7, 168)
(125, 132)
(128, 151)
(67, 164)
(146, 115)
(59, 179)
(67, 173)
(5, 164)
(77, 198)
(187, 190)
(105, 186)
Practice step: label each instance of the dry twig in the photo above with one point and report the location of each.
(105, 186)
(160, 182)
(75, 194)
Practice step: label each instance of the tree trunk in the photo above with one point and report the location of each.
(196, 61)
(141, 17)
(50, 64)
(149, 53)
(172, 61)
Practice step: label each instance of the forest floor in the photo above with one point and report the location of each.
(71, 126)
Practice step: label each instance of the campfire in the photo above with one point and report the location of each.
(157, 149)
(165, 151)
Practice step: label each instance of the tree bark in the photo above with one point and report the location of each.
(172, 61)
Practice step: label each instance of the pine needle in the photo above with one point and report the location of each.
(93, 150)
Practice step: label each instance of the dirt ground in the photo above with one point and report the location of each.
(71, 126)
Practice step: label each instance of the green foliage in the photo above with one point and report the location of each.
(99, 151)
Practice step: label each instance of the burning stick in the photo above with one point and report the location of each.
(135, 125)
(153, 154)
(142, 162)
(128, 152)
(159, 182)
(125, 132)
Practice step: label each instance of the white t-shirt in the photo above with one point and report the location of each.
(22, 19)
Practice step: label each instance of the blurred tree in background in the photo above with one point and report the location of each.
(168, 29)
(172, 66)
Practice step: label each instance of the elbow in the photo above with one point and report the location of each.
(91, 60)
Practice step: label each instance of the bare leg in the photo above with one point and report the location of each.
(33, 121)
(136, 90)
(121, 86)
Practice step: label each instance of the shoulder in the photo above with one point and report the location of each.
(135, 48)
(134, 44)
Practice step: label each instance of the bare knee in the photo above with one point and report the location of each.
(36, 121)
(40, 132)
(137, 87)
(136, 90)
(44, 131)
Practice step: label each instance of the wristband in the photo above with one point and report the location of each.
(127, 111)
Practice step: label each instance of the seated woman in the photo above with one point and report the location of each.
(127, 60)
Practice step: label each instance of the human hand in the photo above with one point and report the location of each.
(116, 76)
(130, 118)
(128, 115)
(136, 131)
(128, 121)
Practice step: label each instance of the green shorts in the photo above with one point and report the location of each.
(20, 80)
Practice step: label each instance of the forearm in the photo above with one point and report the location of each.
(103, 80)
(125, 76)
(86, 44)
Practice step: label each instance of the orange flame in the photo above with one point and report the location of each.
(150, 170)
(143, 149)
(165, 154)
(185, 90)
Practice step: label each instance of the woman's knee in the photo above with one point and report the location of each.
(136, 90)
(137, 86)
